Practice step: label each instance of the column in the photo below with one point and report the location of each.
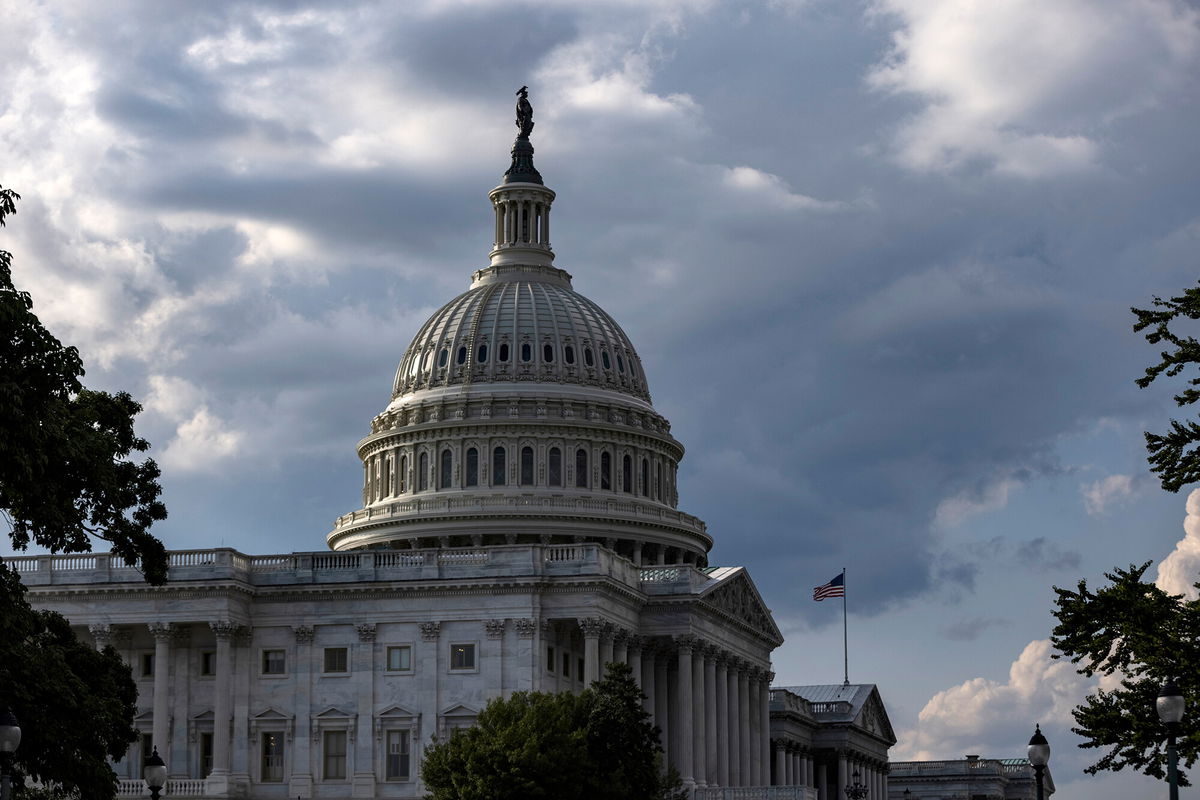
(218, 781)
(711, 744)
(683, 698)
(746, 738)
(841, 775)
(884, 778)
(764, 718)
(162, 674)
(621, 647)
(735, 724)
(722, 737)
(634, 656)
(699, 722)
(645, 652)
(755, 715)
(606, 647)
(363, 779)
(806, 771)
(592, 628)
(662, 708)
(546, 223)
(101, 635)
(300, 779)
(822, 782)
(781, 770)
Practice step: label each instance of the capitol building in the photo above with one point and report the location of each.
(519, 529)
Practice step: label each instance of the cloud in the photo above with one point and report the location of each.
(968, 630)
(972, 502)
(1042, 555)
(1024, 88)
(1099, 495)
(1180, 571)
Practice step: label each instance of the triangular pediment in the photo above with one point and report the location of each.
(734, 594)
(460, 710)
(333, 713)
(396, 712)
(271, 715)
(873, 718)
(145, 716)
(203, 716)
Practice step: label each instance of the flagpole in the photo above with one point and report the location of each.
(845, 636)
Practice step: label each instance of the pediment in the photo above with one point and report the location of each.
(873, 718)
(203, 716)
(271, 715)
(460, 710)
(737, 596)
(145, 716)
(395, 712)
(333, 713)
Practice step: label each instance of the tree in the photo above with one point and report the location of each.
(596, 745)
(1175, 455)
(1138, 634)
(65, 478)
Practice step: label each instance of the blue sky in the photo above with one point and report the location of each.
(877, 258)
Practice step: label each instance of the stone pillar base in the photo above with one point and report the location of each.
(363, 784)
(216, 785)
(300, 786)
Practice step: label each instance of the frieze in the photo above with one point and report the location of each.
(303, 633)
(366, 631)
(526, 627)
(430, 631)
(494, 628)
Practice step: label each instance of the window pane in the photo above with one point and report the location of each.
(645, 478)
(548, 353)
(461, 356)
(399, 659)
(397, 755)
(447, 470)
(588, 358)
(526, 352)
(403, 474)
(605, 471)
(442, 357)
(626, 474)
(335, 755)
(569, 354)
(272, 757)
(272, 662)
(462, 656)
(472, 467)
(555, 467)
(423, 472)
(335, 659)
(504, 351)
(206, 754)
(526, 466)
(481, 354)
(550, 658)
(499, 467)
(581, 468)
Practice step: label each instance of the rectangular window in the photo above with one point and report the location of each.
(336, 659)
(399, 658)
(579, 671)
(208, 663)
(550, 659)
(335, 756)
(566, 670)
(272, 757)
(462, 656)
(273, 662)
(397, 766)
(147, 665)
(206, 754)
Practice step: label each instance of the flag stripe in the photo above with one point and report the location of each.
(835, 588)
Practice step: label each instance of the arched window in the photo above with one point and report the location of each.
(499, 467)
(527, 466)
(443, 355)
(447, 472)
(605, 470)
(554, 467)
(620, 363)
(461, 357)
(472, 476)
(645, 478)
(402, 477)
(503, 355)
(548, 353)
(569, 354)
(423, 472)
(658, 480)
(604, 359)
(588, 358)
(581, 468)
(425, 359)
(481, 354)
(626, 474)
(526, 351)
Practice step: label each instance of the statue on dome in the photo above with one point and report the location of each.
(524, 112)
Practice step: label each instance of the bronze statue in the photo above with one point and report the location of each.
(524, 112)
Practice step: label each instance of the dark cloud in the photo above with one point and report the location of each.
(968, 630)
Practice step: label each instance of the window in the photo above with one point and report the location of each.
(481, 354)
(555, 467)
(462, 656)
(569, 354)
(526, 466)
(645, 478)
(604, 358)
(579, 671)
(499, 467)
(272, 757)
(588, 358)
(206, 754)
(605, 471)
(461, 356)
(472, 477)
(526, 351)
(443, 357)
(273, 662)
(550, 661)
(620, 363)
(447, 471)
(208, 663)
(658, 480)
(548, 353)
(399, 658)
(423, 472)
(626, 474)
(581, 468)
(503, 355)
(147, 665)
(334, 756)
(403, 476)
(566, 670)
(397, 767)
(336, 660)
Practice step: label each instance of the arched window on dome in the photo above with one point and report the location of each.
(423, 472)
(402, 475)
(581, 469)
(472, 476)
(527, 466)
(627, 474)
(604, 359)
(503, 354)
(658, 480)
(499, 467)
(645, 477)
(588, 358)
(605, 471)
(526, 351)
(620, 364)
(461, 357)
(446, 471)
(481, 354)
(569, 354)
(443, 356)
(387, 477)
(554, 467)
(548, 353)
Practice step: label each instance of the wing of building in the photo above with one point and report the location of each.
(519, 528)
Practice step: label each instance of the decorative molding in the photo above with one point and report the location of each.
(303, 633)
(592, 627)
(223, 629)
(161, 631)
(526, 627)
(102, 634)
(366, 631)
(494, 628)
(430, 631)
(686, 642)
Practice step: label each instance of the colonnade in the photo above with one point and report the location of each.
(711, 705)
(827, 771)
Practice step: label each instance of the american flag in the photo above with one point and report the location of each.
(835, 588)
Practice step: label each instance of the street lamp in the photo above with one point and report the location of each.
(155, 773)
(908, 794)
(1170, 711)
(856, 791)
(10, 738)
(1039, 756)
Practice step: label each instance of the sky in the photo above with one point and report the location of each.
(877, 258)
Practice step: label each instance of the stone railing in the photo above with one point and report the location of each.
(783, 701)
(754, 793)
(176, 787)
(832, 707)
(960, 766)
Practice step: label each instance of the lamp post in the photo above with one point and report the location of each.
(856, 791)
(10, 738)
(1039, 756)
(154, 771)
(908, 794)
(1170, 711)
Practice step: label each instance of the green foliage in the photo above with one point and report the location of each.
(1175, 455)
(596, 745)
(1141, 636)
(65, 473)
(75, 705)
